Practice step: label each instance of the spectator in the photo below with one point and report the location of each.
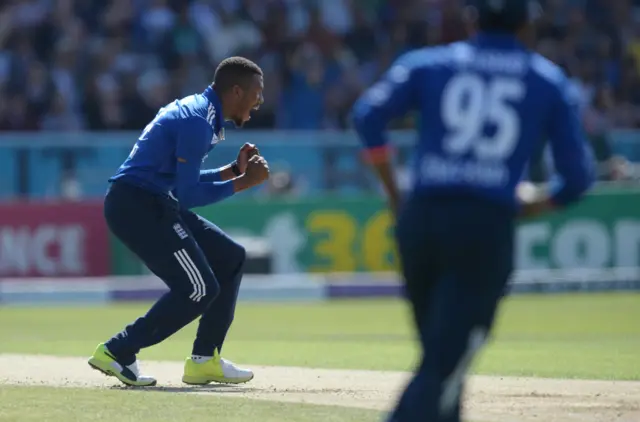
(61, 117)
(302, 105)
(598, 124)
(15, 114)
(114, 62)
(39, 90)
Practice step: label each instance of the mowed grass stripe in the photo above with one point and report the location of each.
(45, 404)
(592, 336)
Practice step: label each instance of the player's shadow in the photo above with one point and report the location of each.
(227, 389)
(211, 388)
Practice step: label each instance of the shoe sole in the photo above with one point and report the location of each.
(204, 381)
(98, 366)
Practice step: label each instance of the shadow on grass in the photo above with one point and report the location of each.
(212, 388)
(225, 389)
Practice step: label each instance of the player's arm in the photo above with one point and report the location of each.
(190, 150)
(221, 174)
(231, 170)
(573, 160)
(572, 154)
(389, 98)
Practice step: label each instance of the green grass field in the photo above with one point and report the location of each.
(51, 404)
(562, 336)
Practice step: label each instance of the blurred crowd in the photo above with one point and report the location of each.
(110, 64)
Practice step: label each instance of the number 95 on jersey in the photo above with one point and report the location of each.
(482, 129)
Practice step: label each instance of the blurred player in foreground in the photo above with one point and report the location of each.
(482, 105)
(147, 208)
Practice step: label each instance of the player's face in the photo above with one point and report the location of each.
(249, 100)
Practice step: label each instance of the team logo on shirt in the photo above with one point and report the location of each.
(182, 233)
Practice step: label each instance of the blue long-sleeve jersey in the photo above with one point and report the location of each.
(483, 104)
(169, 153)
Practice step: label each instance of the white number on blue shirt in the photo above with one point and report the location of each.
(469, 103)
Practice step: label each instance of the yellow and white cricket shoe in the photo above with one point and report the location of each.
(199, 371)
(103, 361)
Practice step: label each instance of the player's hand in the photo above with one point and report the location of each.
(246, 152)
(533, 200)
(257, 170)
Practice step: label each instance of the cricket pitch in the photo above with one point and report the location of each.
(488, 398)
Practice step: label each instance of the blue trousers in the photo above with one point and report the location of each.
(456, 255)
(200, 264)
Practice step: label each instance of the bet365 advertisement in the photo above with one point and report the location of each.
(338, 235)
(320, 235)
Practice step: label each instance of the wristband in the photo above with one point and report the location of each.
(377, 155)
(235, 169)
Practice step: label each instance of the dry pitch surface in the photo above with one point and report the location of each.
(495, 399)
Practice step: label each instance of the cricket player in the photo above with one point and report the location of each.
(482, 105)
(147, 208)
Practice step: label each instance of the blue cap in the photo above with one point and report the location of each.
(506, 15)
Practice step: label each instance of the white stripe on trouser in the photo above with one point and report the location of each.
(452, 386)
(199, 288)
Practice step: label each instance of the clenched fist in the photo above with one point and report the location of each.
(257, 170)
(246, 152)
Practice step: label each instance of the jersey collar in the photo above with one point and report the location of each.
(211, 95)
(497, 40)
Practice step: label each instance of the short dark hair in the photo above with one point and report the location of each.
(235, 71)
(504, 15)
